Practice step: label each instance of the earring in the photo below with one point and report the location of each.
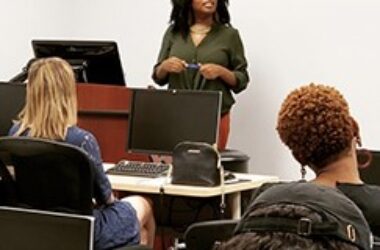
(303, 172)
(358, 141)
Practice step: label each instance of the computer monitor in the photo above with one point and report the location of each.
(12, 100)
(92, 61)
(160, 119)
(35, 229)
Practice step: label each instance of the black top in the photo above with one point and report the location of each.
(367, 198)
(337, 212)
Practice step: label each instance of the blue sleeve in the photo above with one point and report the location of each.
(102, 187)
(13, 129)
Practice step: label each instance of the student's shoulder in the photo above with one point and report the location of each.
(264, 187)
(76, 135)
(15, 127)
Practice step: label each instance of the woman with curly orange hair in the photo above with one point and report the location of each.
(315, 123)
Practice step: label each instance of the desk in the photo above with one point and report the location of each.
(156, 185)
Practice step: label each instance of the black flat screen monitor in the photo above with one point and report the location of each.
(35, 229)
(92, 61)
(12, 100)
(160, 119)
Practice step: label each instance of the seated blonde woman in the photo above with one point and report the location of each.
(50, 112)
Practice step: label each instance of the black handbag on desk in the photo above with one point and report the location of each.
(196, 164)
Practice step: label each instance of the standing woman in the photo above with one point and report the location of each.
(202, 51)
(50, 112)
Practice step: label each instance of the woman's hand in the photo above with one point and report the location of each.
(171, 65)
(211, 71)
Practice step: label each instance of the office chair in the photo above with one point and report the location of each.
(203, 235)
(45, 174)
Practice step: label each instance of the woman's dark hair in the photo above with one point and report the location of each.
(282, 240)
(182, 15)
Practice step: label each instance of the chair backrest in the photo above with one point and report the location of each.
(203, 235)
(45, 174)
(371, 173)
(42, 230)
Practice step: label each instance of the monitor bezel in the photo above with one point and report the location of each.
(216, 94)
(38, 43)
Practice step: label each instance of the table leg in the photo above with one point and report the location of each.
(234, 201)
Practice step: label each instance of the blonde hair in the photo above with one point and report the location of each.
(51, 101)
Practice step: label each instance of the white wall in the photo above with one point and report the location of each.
(23, 20)
(288, 43)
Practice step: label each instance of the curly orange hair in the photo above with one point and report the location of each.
(315, 123)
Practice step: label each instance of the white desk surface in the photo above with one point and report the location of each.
(154, 185)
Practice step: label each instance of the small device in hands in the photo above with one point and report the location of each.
(193, 65)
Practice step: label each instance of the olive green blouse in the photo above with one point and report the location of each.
(222, 45)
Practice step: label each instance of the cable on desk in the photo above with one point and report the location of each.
(160, 206)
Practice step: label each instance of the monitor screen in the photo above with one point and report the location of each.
(35, 229)
(12, 100)
(160, 119)
(92, 61)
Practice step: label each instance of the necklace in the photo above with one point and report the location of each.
(200, 29)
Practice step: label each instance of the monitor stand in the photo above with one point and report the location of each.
(79, 67)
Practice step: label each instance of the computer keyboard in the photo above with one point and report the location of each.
(138, 168)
